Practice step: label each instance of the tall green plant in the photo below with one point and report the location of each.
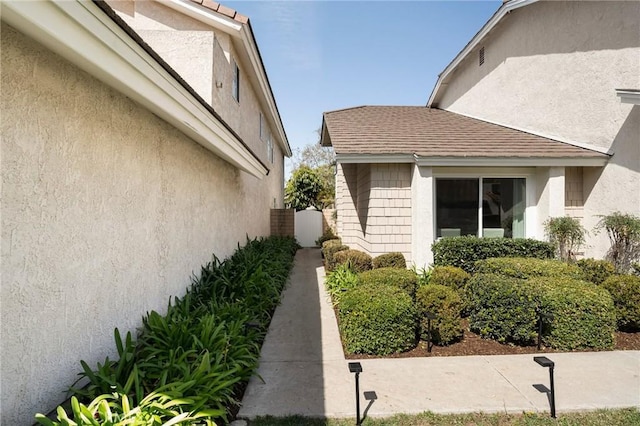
(567, 235)
(623, 230)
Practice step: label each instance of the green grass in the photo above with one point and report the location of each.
(621, 417)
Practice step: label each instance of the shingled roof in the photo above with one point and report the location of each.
(224, 10)
(430, 132)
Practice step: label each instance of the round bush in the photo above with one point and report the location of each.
(359, 260)
(377, 320)
(449, 276)
(625, 291)
(522, 267)
(329, 250)
(390, 260)
(596, 271)
(402, 278)
(445, 303)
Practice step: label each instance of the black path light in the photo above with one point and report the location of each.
(430, 316)
(356, 367)
(547, 363)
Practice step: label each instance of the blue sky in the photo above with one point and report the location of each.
(327, 55)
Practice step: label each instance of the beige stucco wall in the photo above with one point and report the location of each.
(106, 212)
(203, 57)
(374, 207)
(552, 68)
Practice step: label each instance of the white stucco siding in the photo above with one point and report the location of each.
(106, 212)
(552, 68)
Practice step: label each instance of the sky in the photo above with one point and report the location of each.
(326, 55)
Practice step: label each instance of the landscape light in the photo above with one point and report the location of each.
(356, 367)
(547, 363)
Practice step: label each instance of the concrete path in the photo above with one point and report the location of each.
(303, 370)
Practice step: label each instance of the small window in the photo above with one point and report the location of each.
(263, 128)
(235, 87)
(481, 56)
(270, 148)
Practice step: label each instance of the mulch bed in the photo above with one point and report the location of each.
(473, 344)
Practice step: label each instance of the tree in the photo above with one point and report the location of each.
(303, 188)
(567, 235)
(322, 161)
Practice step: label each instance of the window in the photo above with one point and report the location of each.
(266, 137)
(486, 207)
(270, 148)
(235, 85)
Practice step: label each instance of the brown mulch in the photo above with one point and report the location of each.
(473, 344)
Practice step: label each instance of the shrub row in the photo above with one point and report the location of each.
(202, 349)
(463, 252)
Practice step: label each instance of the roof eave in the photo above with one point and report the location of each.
(629, 96)
(486, 29)
(85, 35)
(456, 161)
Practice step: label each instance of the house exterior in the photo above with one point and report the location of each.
(536, 117)
(123, 169)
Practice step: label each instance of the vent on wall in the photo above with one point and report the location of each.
(481, 56)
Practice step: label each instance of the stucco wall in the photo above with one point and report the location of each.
(552, 68)
(204, 58)
(106, 212)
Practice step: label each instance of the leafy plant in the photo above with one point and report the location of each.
(303, 189)
(377, 319)
(567, 235)
(329, 249)
(463, 252)
(390, 260)
(340, 280)
(596, 271)
(625, 291)
(404, 279)
(359, 260)
(522, 267)
(623, 231)
(445, 303)
(449, 276)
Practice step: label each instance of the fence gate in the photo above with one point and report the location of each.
(308, 227)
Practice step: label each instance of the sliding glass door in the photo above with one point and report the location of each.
(485, 207)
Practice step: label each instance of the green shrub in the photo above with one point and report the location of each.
(358, 260)
(502, 308)
(445, 303)
(401, 278)
(450, 276)
(596, 271)
(390, 260)
(328, 235)
(463, 252)
(567, 235)
(625, 291)
(377, 320)
(329, 251)
(583, 314)
(522, 267)
(340, 280)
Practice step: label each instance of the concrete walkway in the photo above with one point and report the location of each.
(303, 370)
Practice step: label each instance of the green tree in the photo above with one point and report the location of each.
(303, 189)
(322, 161)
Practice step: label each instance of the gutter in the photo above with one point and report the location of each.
(493, 21)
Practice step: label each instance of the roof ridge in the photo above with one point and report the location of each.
(223, 10)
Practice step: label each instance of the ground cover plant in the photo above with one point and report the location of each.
(201, 352)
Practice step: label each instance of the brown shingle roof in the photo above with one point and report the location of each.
(224, 10)
(431, 132)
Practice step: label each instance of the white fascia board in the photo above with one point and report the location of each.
(242, 32)
(629, 96)
(510, 162)
(497, 17)
(374, 158)
(84, 35)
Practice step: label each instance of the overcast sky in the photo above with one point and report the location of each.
(327, 55)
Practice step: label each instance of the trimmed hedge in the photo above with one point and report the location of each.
(625, 291)
(521, 267)
(451, 276)
(596, 271)
(329, 249)
(583, 314)
(377, 320)
(502, 308)
(328, 235)
(445, 303)
(390, 260)
(463, 252)
(401, 278)
(506, 309)
(358, 260)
